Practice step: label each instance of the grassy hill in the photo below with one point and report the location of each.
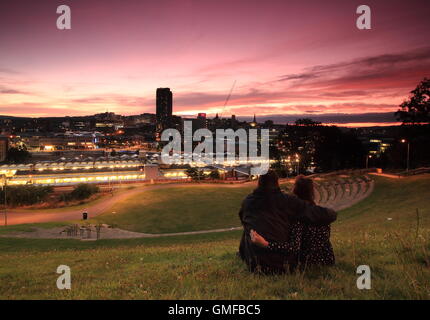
(178, 209)
(383, 231)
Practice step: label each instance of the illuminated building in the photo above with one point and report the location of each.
(164, 108)
(4, 144)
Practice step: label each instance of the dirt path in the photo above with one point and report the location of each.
(386, 175)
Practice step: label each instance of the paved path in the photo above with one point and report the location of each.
(386, 175)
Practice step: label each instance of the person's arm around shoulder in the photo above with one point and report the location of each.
(310, 213)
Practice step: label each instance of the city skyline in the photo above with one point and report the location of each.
(286, 60)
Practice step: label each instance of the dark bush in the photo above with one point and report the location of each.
(25, 195)
(83, 191)
(214, 174)
(195, 173)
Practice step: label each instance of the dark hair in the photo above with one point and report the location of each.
(268, 181)
(267, 184)
(304, 188)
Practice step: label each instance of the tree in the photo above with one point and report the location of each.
(83, 191)
(310, 145)
(307, 122)
(416, 110)
(214, 174)
(279, 168)
(17, 155)
(195, 173)
(25, 195)
(268, 123)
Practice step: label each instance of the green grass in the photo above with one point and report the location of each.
(29, 227)
(178, 209)
(206, 267)
(75, 206)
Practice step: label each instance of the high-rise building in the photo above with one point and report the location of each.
(164, 108)
(201, 121)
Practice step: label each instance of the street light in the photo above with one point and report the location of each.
(298, 163)
(407, 157)
(367, 160)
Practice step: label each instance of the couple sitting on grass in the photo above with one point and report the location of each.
(284, 232)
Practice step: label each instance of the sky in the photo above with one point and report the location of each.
(285, 58)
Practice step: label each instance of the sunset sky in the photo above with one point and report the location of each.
(287, 57)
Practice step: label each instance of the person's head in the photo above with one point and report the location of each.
(304, 188)
(268, 181)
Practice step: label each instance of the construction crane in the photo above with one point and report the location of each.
(228, 98)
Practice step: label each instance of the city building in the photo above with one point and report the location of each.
(4, 144)
(48, 142)
(163, 108)
(200, 122)
(254, 122)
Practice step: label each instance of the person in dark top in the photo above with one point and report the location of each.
(310, 243)
(272, 213)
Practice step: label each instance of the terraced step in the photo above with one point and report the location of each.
(341, 193)
(339, 189)
(332, 195)
(326, 194)
(317, 194)
(323, 194)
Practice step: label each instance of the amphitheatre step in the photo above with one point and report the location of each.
(339, 190)
(352, 188)
(322, 194)
(358, 189)
(332, 194)
(347, 195)
(340, 193)
(364, 192)
(368, 190)
(349, 189)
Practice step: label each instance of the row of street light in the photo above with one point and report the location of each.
(369, 156)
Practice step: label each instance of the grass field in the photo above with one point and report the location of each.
(180, 209)
(383, 231)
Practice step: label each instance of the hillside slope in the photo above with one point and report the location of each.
(383, 231)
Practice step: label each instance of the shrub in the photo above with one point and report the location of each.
(25, 195)
(17, 155)
(195, 173)
(214, 174)
(83, 191)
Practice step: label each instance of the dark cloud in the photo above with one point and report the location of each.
(7, 90)
(340, 118)
(342, 94)
(387, 70)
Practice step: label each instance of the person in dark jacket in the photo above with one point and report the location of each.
(271, 213)
(311, 243)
